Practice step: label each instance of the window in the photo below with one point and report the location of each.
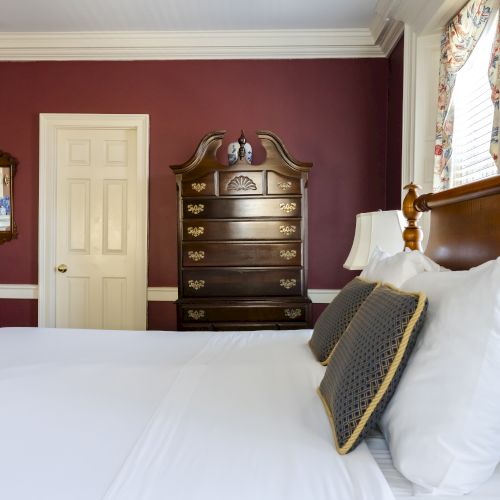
(473, 114)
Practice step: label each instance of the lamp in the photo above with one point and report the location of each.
(382, 229)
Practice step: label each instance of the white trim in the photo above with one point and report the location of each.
(162, 294)
(322, 296)
(18, 291)
(390, 36)
(50, 123)
(409, 87)
(165, 45)
(155, 293)
(377, 40)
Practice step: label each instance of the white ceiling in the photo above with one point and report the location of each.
(175, 15)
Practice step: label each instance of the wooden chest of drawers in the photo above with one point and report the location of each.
(242, 240)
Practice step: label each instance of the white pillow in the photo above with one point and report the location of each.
(443, 423)
(398, 268)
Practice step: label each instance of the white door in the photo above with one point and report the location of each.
(99, 280)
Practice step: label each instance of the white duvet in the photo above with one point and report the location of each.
(89, 415)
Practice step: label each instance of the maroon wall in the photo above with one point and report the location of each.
(331, 112)
(395, 127)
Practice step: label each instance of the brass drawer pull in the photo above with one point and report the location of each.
(196, 231)
(196, 256)
(196, 314)
(293, 313)
(288, 207)
(196, 284)
(196, 209)
(288, 283)
(288, 254)
(198, 186)
(288, 230)
(285, 185)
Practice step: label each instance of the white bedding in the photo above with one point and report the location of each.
(404, 489)
(89, 415)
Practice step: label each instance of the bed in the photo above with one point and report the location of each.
(107, 415)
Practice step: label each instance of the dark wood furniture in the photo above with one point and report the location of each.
(465, 223)
(242, 239)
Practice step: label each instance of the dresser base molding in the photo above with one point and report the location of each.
(155, 293)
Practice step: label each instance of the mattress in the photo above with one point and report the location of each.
(404, 489)
(96, 415)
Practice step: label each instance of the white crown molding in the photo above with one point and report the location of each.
(160, 45)
(383, 14)
(18, 291)
(390, 36)
(155, 293)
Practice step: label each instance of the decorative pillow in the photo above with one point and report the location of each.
(336, 317)
(368, 361)
(398, 268)
(443, 424)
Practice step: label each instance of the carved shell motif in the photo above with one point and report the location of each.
(241, 183)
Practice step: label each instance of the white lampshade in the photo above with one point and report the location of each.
(382, 229)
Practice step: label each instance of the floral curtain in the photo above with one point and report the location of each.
(494, 75)
(457, 43)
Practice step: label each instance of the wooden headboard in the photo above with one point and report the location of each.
(465, 223)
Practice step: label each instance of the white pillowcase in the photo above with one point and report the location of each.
(443, 423)
(398, 268)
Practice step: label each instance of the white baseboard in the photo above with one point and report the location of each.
(162, 294)
(155, 293)
(18, 291)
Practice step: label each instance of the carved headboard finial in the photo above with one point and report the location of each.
(242, 140)
(412, 233)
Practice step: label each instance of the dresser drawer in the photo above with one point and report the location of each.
(241, 282)
(199, 313)
(241, 254)
(280, 184)
(223, 208)
(242, 230)
(204, 186)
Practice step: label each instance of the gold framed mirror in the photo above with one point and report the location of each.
(8, 165)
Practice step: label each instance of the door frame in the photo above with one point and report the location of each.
(50, 123)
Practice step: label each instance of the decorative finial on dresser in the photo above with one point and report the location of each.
(412, 233)
(242, 140)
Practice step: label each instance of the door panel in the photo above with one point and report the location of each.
(97, 230)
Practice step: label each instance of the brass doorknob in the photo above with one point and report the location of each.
(62, 268)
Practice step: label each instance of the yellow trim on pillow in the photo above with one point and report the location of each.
(377, 285)
(387, 380)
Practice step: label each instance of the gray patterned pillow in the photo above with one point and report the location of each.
(368, 362)
(335, 319)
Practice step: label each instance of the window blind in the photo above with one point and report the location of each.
(473, 115)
